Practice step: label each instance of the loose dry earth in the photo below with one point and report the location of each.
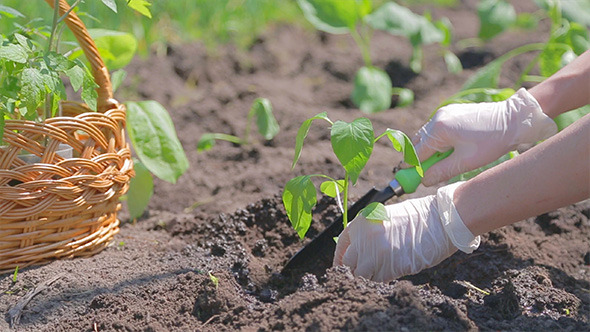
(225, 215)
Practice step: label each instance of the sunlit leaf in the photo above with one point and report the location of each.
(374, 212)
(302, 133)
(265, 120)
(13, 52)
(453, 63)
(111, 4)
(329, 187)
(141, 189)
(334, 16)
(154, 138)
(299, 198)
(116, 48)
(141, 6)
(402, 143)
(353, 144)
(495, 16)
(372, 90)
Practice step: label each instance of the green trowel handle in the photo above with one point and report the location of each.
(409, 178)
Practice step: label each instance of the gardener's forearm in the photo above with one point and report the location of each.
(551, 175)
(567, 89)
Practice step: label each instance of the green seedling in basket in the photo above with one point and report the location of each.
(352, 144)
(33, 61)
(265, 120)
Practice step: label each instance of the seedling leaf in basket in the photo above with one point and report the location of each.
(153, 136)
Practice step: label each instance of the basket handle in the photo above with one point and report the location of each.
(100, 72)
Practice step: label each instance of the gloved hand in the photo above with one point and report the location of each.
(418, 234)
(480, 133)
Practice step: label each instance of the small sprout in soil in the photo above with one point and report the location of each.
(352, 144)
(214, 280)
(265, 120)
(14, 275)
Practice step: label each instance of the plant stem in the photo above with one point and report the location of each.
(345, 201)
(363, 45)
(248, 125)
(228, 138)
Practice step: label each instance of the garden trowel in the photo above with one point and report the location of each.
(320, 251)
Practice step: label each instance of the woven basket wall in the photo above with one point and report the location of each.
(56, 207)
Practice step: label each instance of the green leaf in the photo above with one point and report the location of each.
(76, 75)
(328, 188)
(405, 96)
(334, 16)
(141, 189)
(206, 142)
(353, 144)
(111, 4)
(372, 90)
(403, 144)
(400, 21)
(140, 6)
(302, 133)
(33, 88)
(153, 136)
(486, 77)
(416, 59)
(2, 122)
(265, 120)
(573, 10)
(526, 21)
(444, 25)
(453, 63)
(13, 52)
(58, 62)
(116, 48)
(495, 16)
(374, 212)
(478, 95)
(565, 119)
(117, 78)
(89, 94)
(550, 58)
(25, 42)
(471, 174)
(299, 198)
(10, 12)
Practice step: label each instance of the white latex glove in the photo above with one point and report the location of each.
(418, 234)
(480, 133)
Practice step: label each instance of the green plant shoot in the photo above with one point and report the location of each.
(267, 125)
(352, 144)
(373, 88)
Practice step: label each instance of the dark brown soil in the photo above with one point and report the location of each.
(206, 255)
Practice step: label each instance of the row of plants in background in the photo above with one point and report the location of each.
(352, 143)
(33, 60)
(212, 22)
(568, 38)
(373, 88)
(261, 111)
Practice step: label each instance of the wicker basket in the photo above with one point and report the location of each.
(57, 207)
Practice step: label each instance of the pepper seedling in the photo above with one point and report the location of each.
(373, 88)
(265, 120)
(352, 144)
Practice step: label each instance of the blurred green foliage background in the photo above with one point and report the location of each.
(213, 22)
